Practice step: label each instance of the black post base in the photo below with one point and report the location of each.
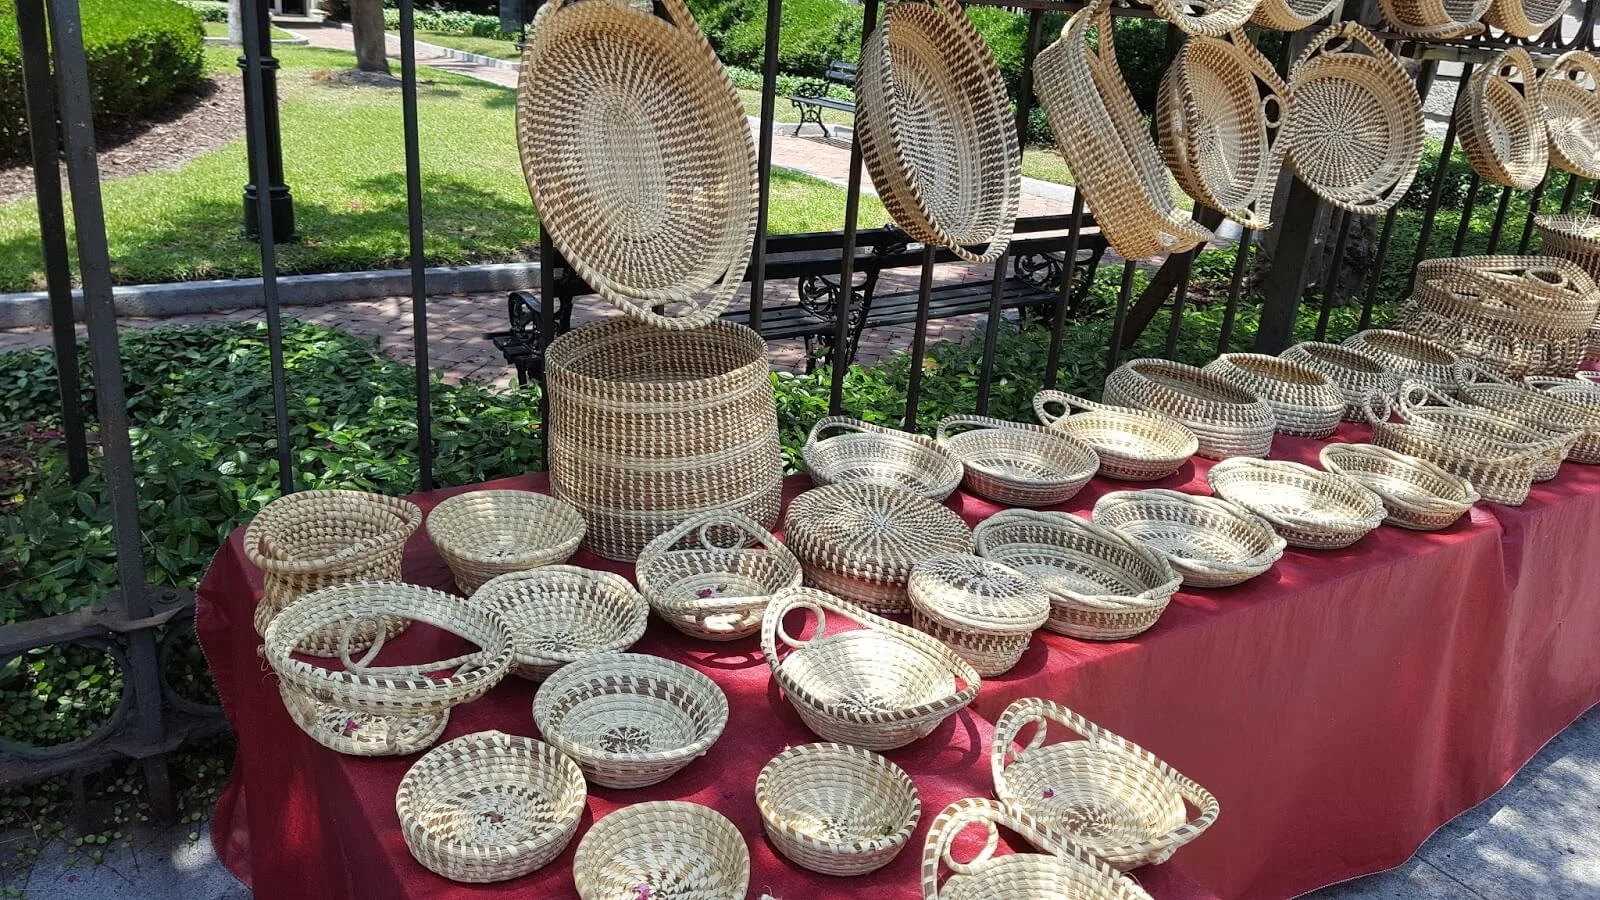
(282, 213)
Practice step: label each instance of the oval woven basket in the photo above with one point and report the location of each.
(1407, 356)
(1218, 109)
(356, 732)
(1304, 401)
(1573, 238)
(1309, 508)
(1524, 18)
(1226, 419)
(1098, 791)
(1437, 19)
(861, 540)
(1103, 585)
(984, 611)
(1104, 140)
(630, 720)
(1206, 19)
(315, 539)
(712, 576)
(394, 689)
(1570, 91)
(1015, 464)
(879, 685)
(1211, 543)
(1354, 130)
(482, 534)
(936, 129)
(837, 809)
(648, 428)
(1421, 405)
(1353, 371)
(1062, 869)
(1133, 444)
(863, 453)
(1536, 409)
(1416, 493)
(638, 156)
(1292, 15)
(561, 614)
(662, 849)
(1501, 127)
(489, 806)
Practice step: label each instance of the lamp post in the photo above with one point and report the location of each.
(277, 191)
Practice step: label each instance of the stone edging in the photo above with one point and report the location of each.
(452, 53)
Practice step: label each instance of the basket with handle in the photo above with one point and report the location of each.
(1354, 372)
(1573, 238)
(1308, 507)
(837, 809)
(984, 611)
(1227, 419)
(1016, 464)
(1208, 541)
(662, 849)
(1570, 92)
(1099, 791)
(1502, 128)
(1304, 401)
(637, 153)
(1437, 19)
(1536, 409)
(1416, 494)
(359, 732)
(1427, 406)
(842, 450)
(936, 129)
(482, 534)
(712, 576)
(1407, 356)
(1206, 19)
(1133, 444)
(1292, 15)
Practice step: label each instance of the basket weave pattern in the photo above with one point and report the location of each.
(1416, 493)
(717, 587)
(1407, 356)
(560, 614)
(863, 453)
(1573, 238)
(1133, 444)
(1211, 543)
(1304, 401)
(1226, 419)
(1355, 373)
(1570, 91)
(837, 809)
(662, 848)
(982, 610)
(1309, 508)
(482, 534)
(1016, 464)
(1502, 128)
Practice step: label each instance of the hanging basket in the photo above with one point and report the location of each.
(1502, 128)
(837, 809)
(1407, 356)
(1304, 401)
(1525, 18)
(1570, 91)
(1416, 493)
(638, 156)
(1211, 543)
(1206, 19)
(1133, 444)
(1308, 508)
(482, 534)
(662, 849)
(1573, 238)
(1104, 140)
(936, 129)
(984, 611)
(863, 453)
(1354, 372)
(1014, 464)
(1292, 15)
(1435, 19)
(561, 614)
(1226, 419)
(712, 576)
(1354, 129)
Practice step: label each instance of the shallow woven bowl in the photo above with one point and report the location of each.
(1103, 585)
(490, 806)
(1309, 508)
(560, 614)
(1524, 18)
(662, 849)
(712, 576)
(1407, 356)
(984, 611)
(1103, 793)
(863, 453)
(1417, 494)
(1541, 411)
(1502, 129)
(1304, 401)
(837, 809)
(1476, 430)
(1227, 420)
(356, 732)
(1435, 18)
(1132, 444)
(1355, 373)
(879, 686)
(1015, 464)
(1292, 15)
(482, 534)
(1499, 473)
(1211, 543)
(1572, 112)
(628, 719)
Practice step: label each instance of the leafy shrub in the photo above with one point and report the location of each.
(207, 10)
(465, 24)
(140, 53)
(813, 34)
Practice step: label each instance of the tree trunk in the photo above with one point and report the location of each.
(235, 24)
(366, 26)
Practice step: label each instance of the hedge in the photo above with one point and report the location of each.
(208, 10)
(140, 53)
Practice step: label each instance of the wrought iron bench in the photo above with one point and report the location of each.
(812, 97)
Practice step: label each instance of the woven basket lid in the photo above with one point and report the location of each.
(1570, 91)
(969, 593)
(1501, 122)
(869, 529)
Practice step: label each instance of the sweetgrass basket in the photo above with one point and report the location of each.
(1308, 507)
(1422, 405)
(1536, 409)
(638, 156)
(837, 809)
(1226, 419)
(1570, 91)
(489, 806)
(1524, 18)
(842, 450)
(1098, 791)
(662, 849)
(1502, 127)
(1133, 444)
(1292, 15)
(1439, 19)
(879, 685)
(561, 614)
(1304, 401)
(1210, 542)
(357, 732)
(1016, 464)
(1573, 238)
(482, 534)
(1416, 494)
(712, 576)
(936, 129)
(984, 611)
(1353, 372)
(1103, 585)
(1408, 357)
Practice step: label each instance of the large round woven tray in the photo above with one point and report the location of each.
(1421, 405)
(1133, 444)
(1016, 464)
(1292, 15)
(861, 540)
(1099, 791)
(638, 156)
(1062, 869)
(1437, 19)
(561, 614)
(936, 129)
(1407, 356)
(1570, 91)
(837, 809)
(863, 453)
(1353, 371)
(880, 685)
(630, 720)
(314, 539)
(489, 806)
(712, 576)
(1304, 401)
(662, 849)
(1573, 238)
(482, 534)
(1103, 585)
(1536, 409)
(1104, 140)
(648, 428)
(1524, 18)
(1354, 130)
(1501, 122)
(1416, 493)
(1211, 543)
(984, 611)
(1227, 420)
(356, 732)
(1309, 508)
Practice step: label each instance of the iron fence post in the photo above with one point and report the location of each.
(270, 143)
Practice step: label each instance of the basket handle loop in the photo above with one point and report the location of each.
(1573, 65)
(747, 531)
(981, 811)
(347, 634)
(1019, 715)
(842, 423)
(942, 434)
(1346, 32)
(785, 602)
(1068, 402)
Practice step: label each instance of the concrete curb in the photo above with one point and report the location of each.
(159, 300)
(451, 52)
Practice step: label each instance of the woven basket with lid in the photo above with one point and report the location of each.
(1354, 372)
(1016, 464)
(1416, 493)
(1570, 91)
(1501, 122)
(1226, 419)
(1304, 401)
(1573, 238)
(662, 849)
(712, 576)
(981, 609)
(1210, 542)
(482, 534)
(1308, 507)
(1133, 444)
(560, 614)
(837, 809)
(864, 453)
(1407, 356)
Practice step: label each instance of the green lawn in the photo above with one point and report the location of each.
(1045, 164)
(786, 111)
(345, 165)
(482, 46)
(220, 29)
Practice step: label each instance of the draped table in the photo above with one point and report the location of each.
(1341, 707)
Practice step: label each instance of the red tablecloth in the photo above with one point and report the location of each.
(1341, 707)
